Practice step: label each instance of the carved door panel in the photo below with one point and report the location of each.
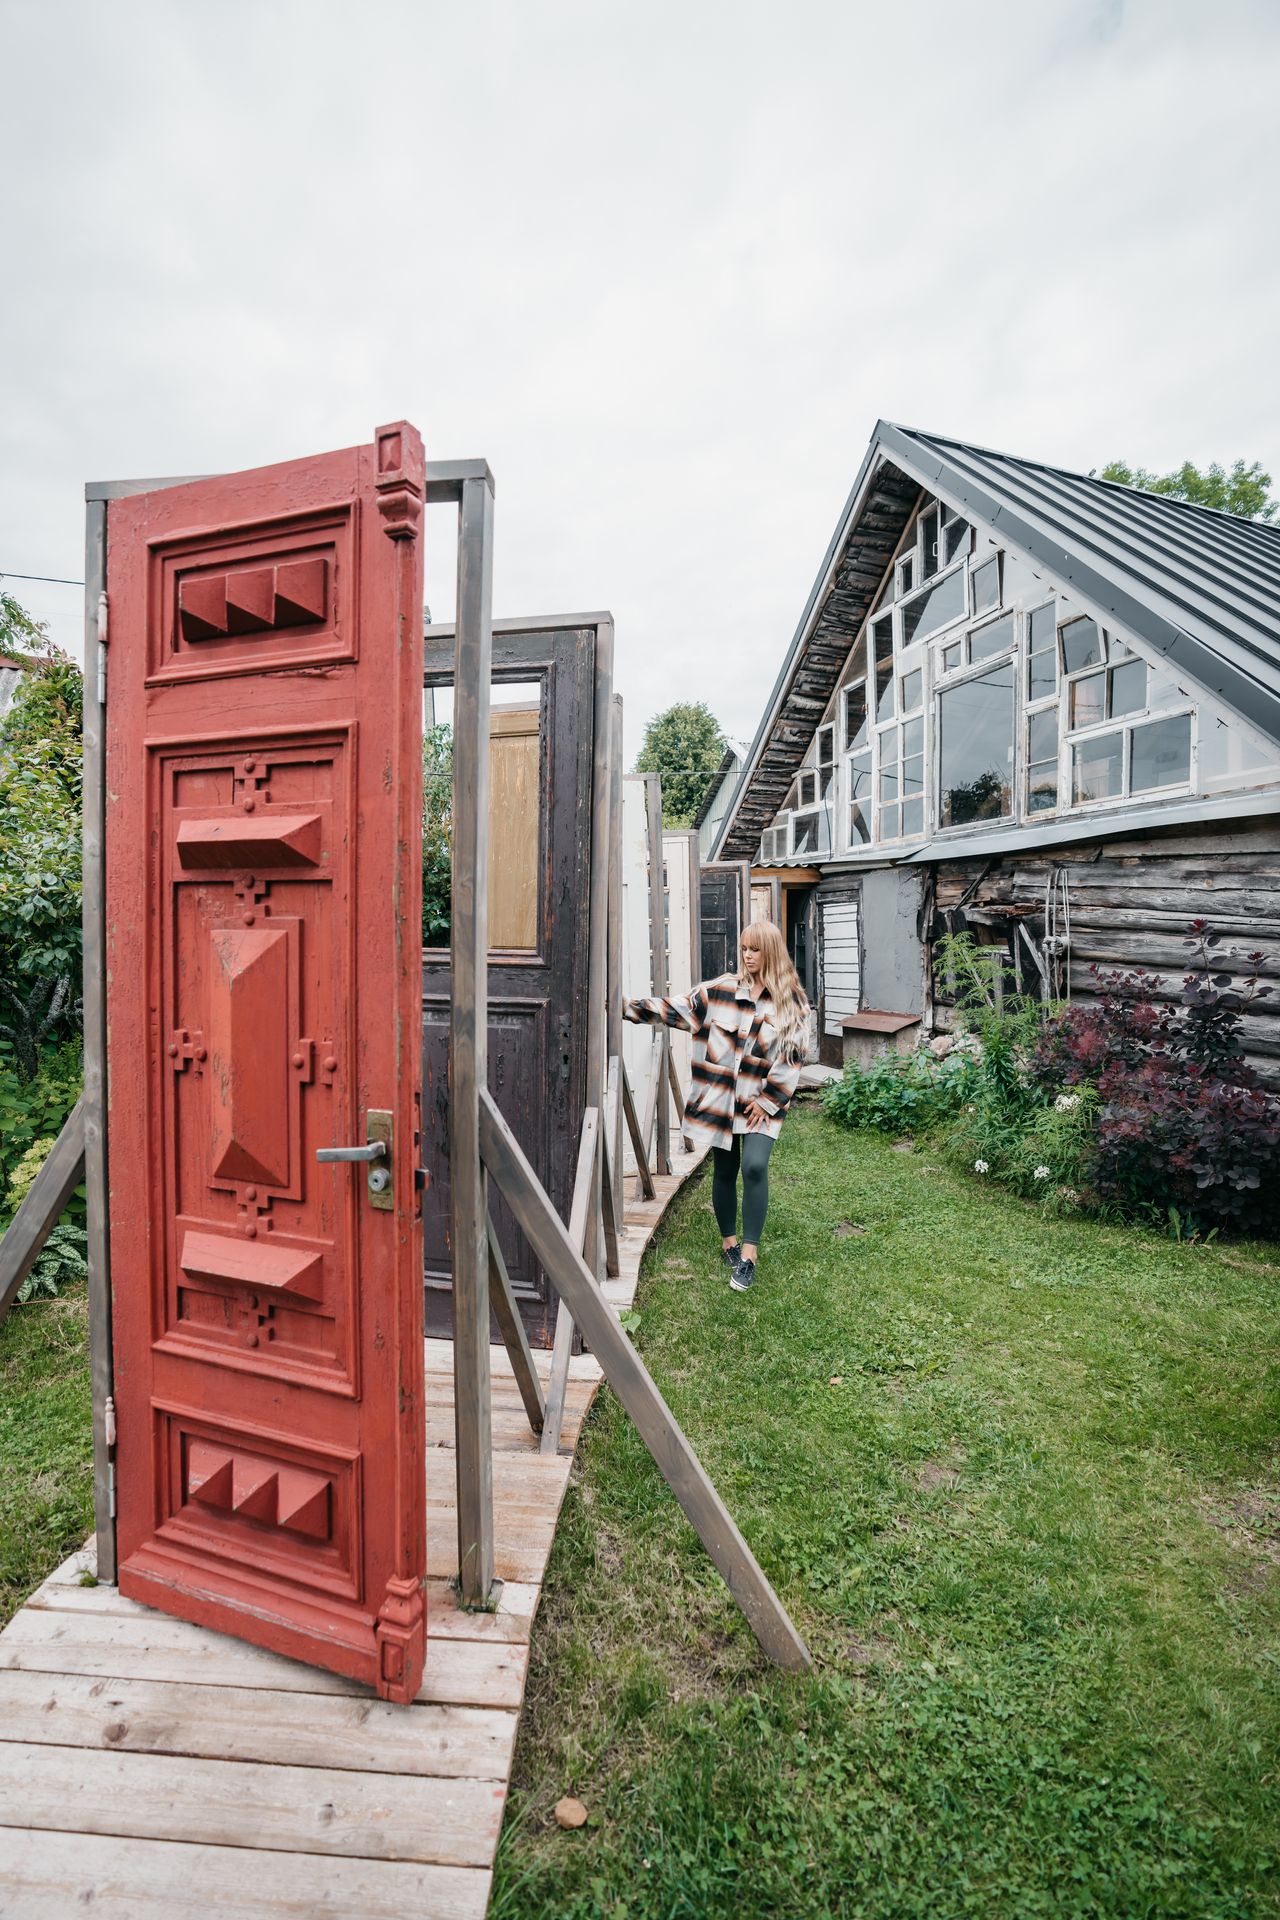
(537, 988)
(264, 878)
(721, 920)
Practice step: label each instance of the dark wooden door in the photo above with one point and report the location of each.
(538, 991)
(721, 920)
(800, 936)
(263, 861)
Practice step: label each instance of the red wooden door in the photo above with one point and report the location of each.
(263, 864)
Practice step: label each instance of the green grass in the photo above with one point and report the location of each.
(1018, 1481)
(46, 1448)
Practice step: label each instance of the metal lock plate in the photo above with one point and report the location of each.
(380, 1179)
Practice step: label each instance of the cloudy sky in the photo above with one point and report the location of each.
(663, 265)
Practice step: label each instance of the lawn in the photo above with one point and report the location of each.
(1019, 1482)
(46, 1446)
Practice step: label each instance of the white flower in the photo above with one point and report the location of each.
(1041, 1173)
(1066, 1101)
(980, 1166)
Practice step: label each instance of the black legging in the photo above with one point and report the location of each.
(753, 1150)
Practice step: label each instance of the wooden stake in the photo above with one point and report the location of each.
(627, 1374)
(38, 1215)
(639, 1144)
(507, 1312)
(584, 1187)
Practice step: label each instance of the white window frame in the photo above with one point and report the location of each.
(1125, 726)
(947, 684)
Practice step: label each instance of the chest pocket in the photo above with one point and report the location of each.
(722, 1037)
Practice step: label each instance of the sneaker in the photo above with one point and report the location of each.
(731, 1256)
(744, 1276)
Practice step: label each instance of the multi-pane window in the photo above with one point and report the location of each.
(986, 584)
(1109, 694)
(902, 764)
(826, 761)
(1138, 759)
(807, 790)
(882, 645)
(935, 606)
(1042, 653)
(855, 715)
(1042, 760)
(1041, 685)
(804, 833)
(1083, 645)
(975, 751)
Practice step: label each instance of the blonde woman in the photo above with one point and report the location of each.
(749, 1035)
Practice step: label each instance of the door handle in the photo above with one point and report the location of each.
(376, 1156)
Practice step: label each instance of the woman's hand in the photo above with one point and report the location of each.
(756, 1115)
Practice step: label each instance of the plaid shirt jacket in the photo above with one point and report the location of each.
(735, 1058)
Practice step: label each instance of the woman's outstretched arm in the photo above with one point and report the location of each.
(684, 1010)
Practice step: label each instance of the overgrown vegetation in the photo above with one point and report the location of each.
(1128, 1103)
(1016, 1479)
(437, 835)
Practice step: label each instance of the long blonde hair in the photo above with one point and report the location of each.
(779, 977)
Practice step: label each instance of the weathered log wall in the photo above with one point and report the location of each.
(1131, 901)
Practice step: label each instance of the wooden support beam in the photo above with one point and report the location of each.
(611, 1210)
(507, 1313)
(584, 1188)
(658, 958)
(38, 1215)
(673, 1078)
(630, 1380)
(657, 1081)
(94, 992)
(639, 1145)
(468, 1041)
(615, 928)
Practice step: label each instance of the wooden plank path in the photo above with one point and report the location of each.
(149, 1767)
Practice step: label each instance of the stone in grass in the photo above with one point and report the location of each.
(570, 1812)
(849, 1230)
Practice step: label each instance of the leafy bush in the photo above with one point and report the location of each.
(902, 1093)
(62, 1257)
(40, 840)
(34, 1109)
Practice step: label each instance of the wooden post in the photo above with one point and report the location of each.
(53, 1186)
(468, 1041)
(585, 1185)
(598, 918)
(629, 1377)
(615, 927)
(658, 960)
(639, 1144)
(94, 1102)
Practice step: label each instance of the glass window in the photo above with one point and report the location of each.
(953, 656)
(905, 575)
(1042, 669)
(1097, 768)
(975, 722)
(942, 602)
(889, 823)
(826, 746)
(882, 633)
(955, 540)
(1042, 761)
(913, 735)
(986, 584)
(929, 544)
(1089, 700)
(886, 593)
(855, 714)
(1082, 645)
(805, 833)
(889, 768)
(912, 816)
(1129, 687)
(808, 784)
(1161, 754)
(860, 797)
(912, 691)
(996, 637)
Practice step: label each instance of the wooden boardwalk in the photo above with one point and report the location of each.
(149, 1767)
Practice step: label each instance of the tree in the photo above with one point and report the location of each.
(683, 746)
(437, 835)
(1243, 491)
(40, 835)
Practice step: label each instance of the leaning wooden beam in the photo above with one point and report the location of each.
(610, 1211)
(468, 1042)
(39, 1213)
(673, 1077)
(580, 1211)
(507, 1312)
(629, 1377)
(656, 1082)
(639, 1145)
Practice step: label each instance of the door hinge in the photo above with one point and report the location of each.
(102, 648)
(109, 1423)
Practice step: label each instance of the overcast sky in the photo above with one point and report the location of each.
(662, 265)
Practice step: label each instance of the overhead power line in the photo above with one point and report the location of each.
(50, 579)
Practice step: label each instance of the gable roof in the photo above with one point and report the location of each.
(1199, 586)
